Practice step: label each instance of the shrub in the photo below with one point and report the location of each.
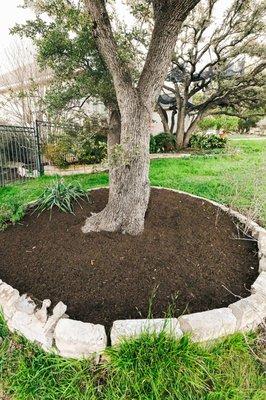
(90, 150)
(153, 147)
(207, 142)
(162, 143)
(61, 195)
(11, 213)
(245, 125)
(56, 153)
(81, 148)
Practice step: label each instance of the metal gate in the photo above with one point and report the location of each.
(20, 155)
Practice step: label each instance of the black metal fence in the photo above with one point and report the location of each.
(27, 152)
(50, 131)
(20, 155)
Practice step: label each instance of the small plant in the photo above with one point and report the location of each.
(162, 143)
(61, 195)
(207, 142)
(11, 213)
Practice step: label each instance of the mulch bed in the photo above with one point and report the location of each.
(190, 257)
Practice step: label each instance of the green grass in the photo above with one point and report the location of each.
(152, 367)
(159, 367)
(236, 177)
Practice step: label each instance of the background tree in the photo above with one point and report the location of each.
(216, 68)
(22, 90)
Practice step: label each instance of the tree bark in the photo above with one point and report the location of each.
(164, 119)
(128, 173)
(192, 128)
(114, 127)
(174, 112)
(180, 129)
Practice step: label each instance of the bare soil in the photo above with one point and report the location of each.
(190, 258)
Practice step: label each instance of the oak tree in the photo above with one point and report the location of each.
(129, 158)
(218, 67)
(87, 49)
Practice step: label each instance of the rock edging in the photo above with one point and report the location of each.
(56, 332)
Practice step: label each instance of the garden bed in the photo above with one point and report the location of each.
(191, 258)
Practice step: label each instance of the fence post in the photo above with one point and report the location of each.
(39, 156)
(2, 176)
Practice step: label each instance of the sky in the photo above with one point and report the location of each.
(11, 13)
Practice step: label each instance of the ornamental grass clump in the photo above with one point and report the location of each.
(62, 196)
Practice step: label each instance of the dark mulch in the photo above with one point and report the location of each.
(190, 254)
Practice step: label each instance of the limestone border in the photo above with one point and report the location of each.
(59, 334)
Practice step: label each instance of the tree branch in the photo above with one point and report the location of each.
(106, 43)
(169, 16)
(236, 114)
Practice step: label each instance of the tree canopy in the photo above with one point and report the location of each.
(62, 32)
(218, 66)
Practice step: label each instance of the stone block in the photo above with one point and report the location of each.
(33, 327)
(208, 325)
(123, 329)
(25, 304)
(76, 339)
(8, 300)
(42, 313)
(259, 286)
(244, 220)
(257, 231)
(262, 245)
(30, 327)
(262, 264)
(58, 313)
(249, 312)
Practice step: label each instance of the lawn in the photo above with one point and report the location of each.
(152, 367)
(236, 177)
(148, 368)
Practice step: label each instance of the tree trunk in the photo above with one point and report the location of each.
(128, 174)
(114, 127)
(188, 135)
(174, 112)
(164, 118)
(180, 129)
(129, 160)
(192, 127)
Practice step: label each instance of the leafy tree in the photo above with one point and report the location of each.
(63, 36)
(109, 67)
(218, 68)
(129, 160)
(247, 123)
